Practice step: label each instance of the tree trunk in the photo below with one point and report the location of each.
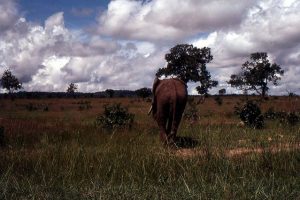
(264, 89)
(263, 93)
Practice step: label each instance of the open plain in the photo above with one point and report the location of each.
(53, 149)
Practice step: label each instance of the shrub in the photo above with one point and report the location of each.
(46, 109)
(84, 105)
(218, 100)
(31, 107)
(270, 114)
(115, 116)
(290, 118)
(251, 115)
(191, 113)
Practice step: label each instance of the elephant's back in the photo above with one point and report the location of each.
(168, 89)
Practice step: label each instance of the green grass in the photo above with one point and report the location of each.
(61, 154)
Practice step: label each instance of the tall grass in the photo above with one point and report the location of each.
(61, 154)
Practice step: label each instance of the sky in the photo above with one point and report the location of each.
(120, 44)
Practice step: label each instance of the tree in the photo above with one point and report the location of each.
(188, 63)
(257, 74)
(143, 92)
(222, 91)
(72, 88)
(10, 82)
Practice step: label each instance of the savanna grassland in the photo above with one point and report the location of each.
(53, 149)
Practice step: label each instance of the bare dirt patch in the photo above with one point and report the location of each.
(190, 153)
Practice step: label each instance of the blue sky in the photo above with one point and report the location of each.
(77, 13)
(120, 44)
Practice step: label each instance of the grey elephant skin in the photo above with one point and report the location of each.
(169, 100)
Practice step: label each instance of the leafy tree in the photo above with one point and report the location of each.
(72, 88)
(143, 92)
(257, 74)
(222, 91)
(188, 63)
(10, 82)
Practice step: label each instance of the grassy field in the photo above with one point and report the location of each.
(54, 150)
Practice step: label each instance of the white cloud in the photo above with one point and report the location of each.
(26, 50)
(271, 26)
(50, 77)
(170, 20)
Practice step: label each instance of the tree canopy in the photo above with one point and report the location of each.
(222, 91)
(188, 63)
(10, 82)
(72, 88)
(257, 74)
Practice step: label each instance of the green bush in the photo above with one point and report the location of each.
(218, 100)
(46, 108)
(115, 116)
(31, 107)
(289, 118)
(271, 114)
(191, 113)
(251, 115)
(84, 105)
(292, 118)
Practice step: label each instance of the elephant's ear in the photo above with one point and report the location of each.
(155, 84)
(153, 104)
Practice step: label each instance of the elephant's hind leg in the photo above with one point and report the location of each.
(162, 122)
(176, 122)
(171, 136)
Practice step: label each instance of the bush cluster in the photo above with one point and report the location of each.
(289, 118)
(84, 105)
(35, 107)
(218, 100)
(191, 113)
(115, 116)
(251, 115)
(31, 107)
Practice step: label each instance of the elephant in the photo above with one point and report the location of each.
(168, 104)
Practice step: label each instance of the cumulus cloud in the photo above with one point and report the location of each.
(272, 27)
(25, 50)
(127, 68)
(41, 56)
(170, 20)
(49, 57)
